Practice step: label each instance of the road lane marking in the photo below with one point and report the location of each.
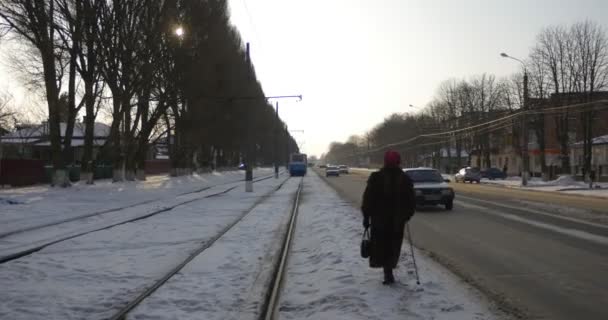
(591, 224)
(565, 231)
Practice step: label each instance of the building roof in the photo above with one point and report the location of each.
(39, 133)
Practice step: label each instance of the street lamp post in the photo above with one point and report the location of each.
(524, 125)
(276, 143)
(248, 153)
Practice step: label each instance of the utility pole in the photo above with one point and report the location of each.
(276, 143)
(248, 156)
(287, 152)
(524, 126)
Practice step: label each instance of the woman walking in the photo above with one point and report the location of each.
(388, 204)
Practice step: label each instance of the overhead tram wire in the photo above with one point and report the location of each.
(480, 129)
(254, 29)
(581, 107)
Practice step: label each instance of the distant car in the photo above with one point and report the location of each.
(323, 166)
(430, 187)
(468, 174)
(242, 166)
(332, 171)
(493, 173)
(343, 169)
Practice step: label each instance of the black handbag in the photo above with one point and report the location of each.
(366, 244)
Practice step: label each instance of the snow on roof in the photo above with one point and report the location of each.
(24, 133)
(595, 141)
(34, 133)
(19, 140)
(75, 143)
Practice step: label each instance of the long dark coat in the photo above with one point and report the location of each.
(389, 200)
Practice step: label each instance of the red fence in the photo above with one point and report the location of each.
(157, 166)
(21, 172)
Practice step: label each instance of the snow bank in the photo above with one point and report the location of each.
(564, 183)
(327, 279)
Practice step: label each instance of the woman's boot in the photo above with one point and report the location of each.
(388, 276)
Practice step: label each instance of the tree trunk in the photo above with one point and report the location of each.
(87, 173)
(116, 135)
(540, 136)
(458, 154)
(68, 154)
(588, 146)
(562, 133)
(60, 177)
(449, 157)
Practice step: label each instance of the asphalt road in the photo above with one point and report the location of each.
(534, 263)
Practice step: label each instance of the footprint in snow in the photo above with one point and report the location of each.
(453, 308)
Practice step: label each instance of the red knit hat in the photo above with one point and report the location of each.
(392, 159)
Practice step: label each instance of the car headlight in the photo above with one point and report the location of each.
(418, 192)
(446, 192)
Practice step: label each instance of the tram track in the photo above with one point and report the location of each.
(25, 250)
(273, 291)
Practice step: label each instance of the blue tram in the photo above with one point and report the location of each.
(298, 164)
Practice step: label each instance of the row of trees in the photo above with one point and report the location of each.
(567, 65)
(197, 88)
(457, 104)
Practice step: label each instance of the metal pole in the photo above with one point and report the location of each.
(276, 143)
(524, 149)
(286, 147)
(248, 160)
(409, 236)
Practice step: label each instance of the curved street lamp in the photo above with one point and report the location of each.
(524, 151)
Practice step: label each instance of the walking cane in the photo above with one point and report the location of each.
(409, 236)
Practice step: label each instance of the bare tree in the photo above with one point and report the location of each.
(7, 113)
(36, 22)
(591, 45)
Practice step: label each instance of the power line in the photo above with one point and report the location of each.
(552, 110)
(252, 25)
(486, 127)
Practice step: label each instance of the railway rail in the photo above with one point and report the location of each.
(270, 302)
(25, 250)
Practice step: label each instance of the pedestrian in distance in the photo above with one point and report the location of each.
(388, 204)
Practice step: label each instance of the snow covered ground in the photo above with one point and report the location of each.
(230, 279)
(564, 184)
(92, 276)
(23, 208)
(327, 279)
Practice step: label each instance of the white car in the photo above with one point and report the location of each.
(343, 169)
(430, 187)
(332, 171)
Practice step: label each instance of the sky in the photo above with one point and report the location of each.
(357, 61)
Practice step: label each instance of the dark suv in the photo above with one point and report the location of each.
(493, 173)
(468, 174)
